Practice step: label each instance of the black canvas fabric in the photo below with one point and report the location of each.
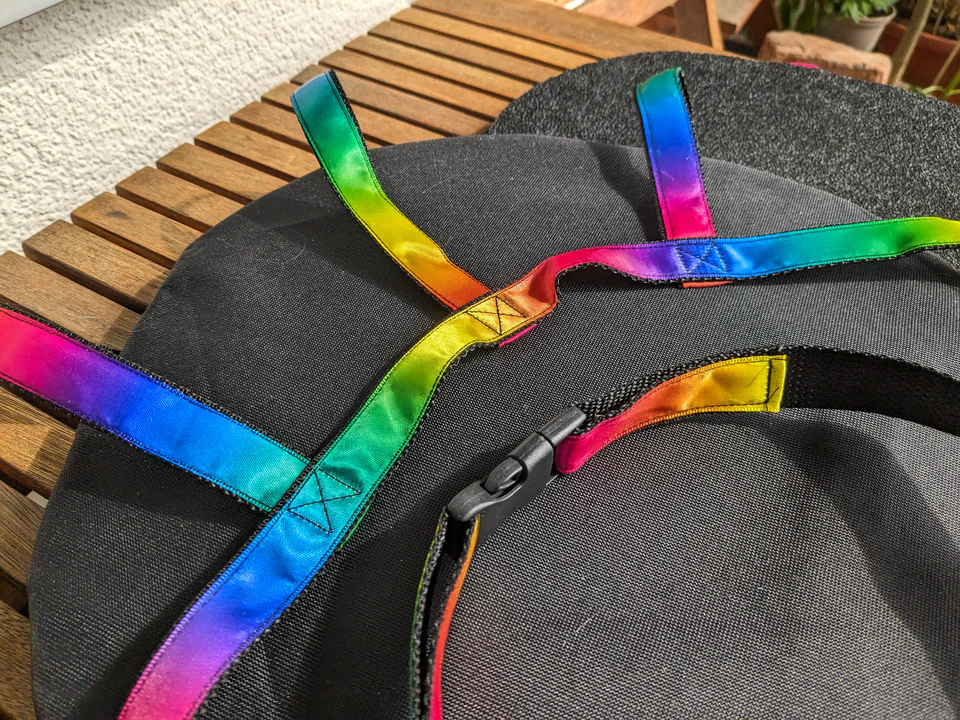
(288, 314)
(889, 151)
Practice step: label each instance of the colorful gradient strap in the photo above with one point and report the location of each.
(746, 384)
(757, 381)
(674, 159)
(334, 135)
(294, 544)
(147, 413)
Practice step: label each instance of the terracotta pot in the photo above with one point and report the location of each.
(929, 55)
(861, 35)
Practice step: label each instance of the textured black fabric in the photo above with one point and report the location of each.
(288, 314)
(892, 152)
(816, 377)
(798, 565)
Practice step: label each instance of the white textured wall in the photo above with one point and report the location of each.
(93, 90)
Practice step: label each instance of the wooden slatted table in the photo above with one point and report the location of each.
(440, 68)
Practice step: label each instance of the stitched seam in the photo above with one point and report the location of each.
(138, 373)
(324, 500)
(702, 259)
(483, 322)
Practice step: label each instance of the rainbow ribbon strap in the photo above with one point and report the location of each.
(749, 384)
(334, 135)
(295, 543)
(674, 160)
(144, 411)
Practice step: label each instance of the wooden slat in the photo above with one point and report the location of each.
(275, 122)
(571, 30)
(507, 42)
(625, 12)
(468, 52)
(482, 104)
(97, 264)
(391, 130)
(134, 227)
(381, 127)
(220, 174)
(16, 701)
(177, 199)
(33, 445)
(257, 150)
(31, 286)
(469, 75)
(19, 520)
(390, 101)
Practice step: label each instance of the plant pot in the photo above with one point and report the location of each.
(931, 52)
(861, 35)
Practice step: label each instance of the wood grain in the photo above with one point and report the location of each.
(272, 121)
(178, 199)
(33, 445)
(625, 12)
(507, 42)
(224, 176)
(389, 101)
(571, 30)
(464, 98)
(16, 701)
(259, 151)
(93, 317)
(19, 520)
(97, 264)
(427, 62)
(134, 227)
(467, 52)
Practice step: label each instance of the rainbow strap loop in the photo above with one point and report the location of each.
(674, 160)
(334, 135)
(746, 384)
(275, 566)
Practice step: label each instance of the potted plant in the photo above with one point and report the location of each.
(934, 46)
(857, 23)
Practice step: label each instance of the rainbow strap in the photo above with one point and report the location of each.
(144, 411)
(673, 157)
(334, 135)
(270, 572)
(747, 384)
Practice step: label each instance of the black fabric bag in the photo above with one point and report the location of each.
(799, 564)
